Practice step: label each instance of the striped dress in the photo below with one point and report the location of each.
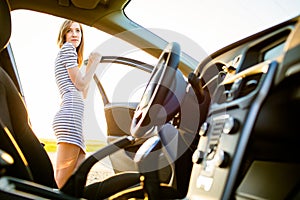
(67, 123)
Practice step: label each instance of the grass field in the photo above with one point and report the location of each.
(91, 145)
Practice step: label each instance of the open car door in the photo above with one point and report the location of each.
(120, 83)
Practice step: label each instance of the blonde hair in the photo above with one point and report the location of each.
(62, 39)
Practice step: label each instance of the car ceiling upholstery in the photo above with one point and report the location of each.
(81, 10)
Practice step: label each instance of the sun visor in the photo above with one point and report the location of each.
(89, 4)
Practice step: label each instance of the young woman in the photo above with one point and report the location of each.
(73, 86)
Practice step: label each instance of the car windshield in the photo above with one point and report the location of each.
(211, 24)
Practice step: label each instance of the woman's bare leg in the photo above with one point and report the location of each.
(80, 159)
(66, 161)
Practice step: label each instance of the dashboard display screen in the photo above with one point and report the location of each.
(273, 52)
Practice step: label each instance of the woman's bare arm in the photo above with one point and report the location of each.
(81, 81)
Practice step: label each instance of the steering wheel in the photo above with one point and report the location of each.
(159, 102)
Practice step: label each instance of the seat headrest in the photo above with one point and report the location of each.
(5, 24)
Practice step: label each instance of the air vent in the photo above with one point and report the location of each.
(239, 88)
(248, 85)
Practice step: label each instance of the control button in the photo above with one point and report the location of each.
(222, 159)
(231, 125)
(198, 156)
(204, 182)
(203, 129)
(211, 152)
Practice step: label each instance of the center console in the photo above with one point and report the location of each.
(219, 157)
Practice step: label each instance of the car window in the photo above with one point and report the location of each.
(34, 47)
(127, 83)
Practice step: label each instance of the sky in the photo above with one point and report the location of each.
(211, 25)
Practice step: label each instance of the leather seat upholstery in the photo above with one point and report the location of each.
(5, 24)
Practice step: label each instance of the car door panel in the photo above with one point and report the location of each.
(118, 118)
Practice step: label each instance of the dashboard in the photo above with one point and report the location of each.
(242, 150)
